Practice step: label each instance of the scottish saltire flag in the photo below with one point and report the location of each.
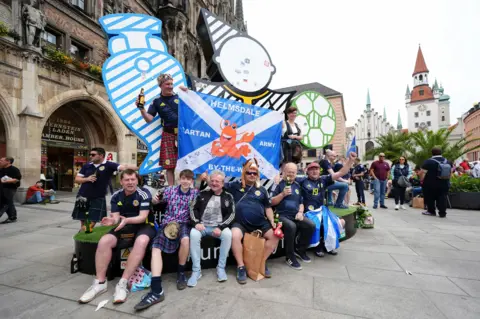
(332, 229)
(353, 147)
(216, 133)
(138, 55)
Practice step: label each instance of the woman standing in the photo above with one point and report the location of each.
(400, 173)
(292, 135)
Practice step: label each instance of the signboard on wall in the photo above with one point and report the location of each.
(141, 147)
(62, 132)
(111, 156)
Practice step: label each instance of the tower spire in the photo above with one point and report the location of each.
(399, 121)
(384, 114)
(368, 100)
(420, 65)
(239, 10)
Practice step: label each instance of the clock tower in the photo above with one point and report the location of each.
(428, 107)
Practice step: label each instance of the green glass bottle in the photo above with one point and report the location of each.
(88, 229)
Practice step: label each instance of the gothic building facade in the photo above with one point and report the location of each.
(53, 104)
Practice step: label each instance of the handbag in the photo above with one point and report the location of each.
(403, 181)
(253, 251)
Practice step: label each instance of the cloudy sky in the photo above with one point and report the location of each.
(352, 45)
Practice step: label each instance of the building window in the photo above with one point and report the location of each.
(429, 123)
(443, 118)
(312, 153)
(421, 92)
(416, 125)
(428, 113)
(79, 3)
(416, 114)
(51, 38)
(80, 52)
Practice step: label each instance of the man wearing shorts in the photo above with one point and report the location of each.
(252, 212)
(130, 210)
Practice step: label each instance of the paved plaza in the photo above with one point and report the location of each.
(368, 278)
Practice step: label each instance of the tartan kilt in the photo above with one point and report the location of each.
(170, 246)
(168, 150)
(96, 211)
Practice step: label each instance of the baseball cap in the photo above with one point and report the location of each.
(313, 165)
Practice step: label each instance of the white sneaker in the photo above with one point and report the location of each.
(96, 289)
(121, 292)
(397, 207)
(403, 207)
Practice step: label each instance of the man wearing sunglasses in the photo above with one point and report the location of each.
(380, 171)
(252, 211)
(94, 178)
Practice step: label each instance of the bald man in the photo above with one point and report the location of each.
(287, 198)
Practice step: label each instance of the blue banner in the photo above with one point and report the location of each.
(221, 134)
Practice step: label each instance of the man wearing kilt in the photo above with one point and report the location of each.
(94, 177)
(166, 106)
(172, 234)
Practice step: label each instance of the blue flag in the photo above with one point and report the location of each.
(353, 147)
(220, 134)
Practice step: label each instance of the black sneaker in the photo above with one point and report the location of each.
(383, 206)
(292, 262)
(333, 252)
(242, 275)
(149, 299)
(303, 256)
(9, 221)
(181, 281)
(268, 273)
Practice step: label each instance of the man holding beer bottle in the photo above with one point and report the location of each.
(94, 176)
(166, 106)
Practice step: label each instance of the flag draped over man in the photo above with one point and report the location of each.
(215, 133)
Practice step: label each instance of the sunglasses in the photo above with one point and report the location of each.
(252, 173)
(93, 154)
(382, 156)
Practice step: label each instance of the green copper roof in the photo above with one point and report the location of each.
(435, 85)
(368, 100)
(384, 113)
(408, 91)
(399, 121)
(444, 97)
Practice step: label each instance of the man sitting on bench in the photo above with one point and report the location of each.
(130, 208)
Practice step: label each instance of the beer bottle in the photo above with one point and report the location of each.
(88, 228)
(141, 99)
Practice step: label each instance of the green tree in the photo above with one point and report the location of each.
(424, 142)
(394, 144)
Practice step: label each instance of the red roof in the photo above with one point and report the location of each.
(427, 93)
(420, 65)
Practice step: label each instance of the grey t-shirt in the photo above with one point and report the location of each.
(213, 213)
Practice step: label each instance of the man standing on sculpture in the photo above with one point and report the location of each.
(166, 106)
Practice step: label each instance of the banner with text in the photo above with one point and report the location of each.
(215, 133)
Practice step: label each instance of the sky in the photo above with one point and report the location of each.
(355, 45)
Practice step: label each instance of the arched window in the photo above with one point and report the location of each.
(368, 146)
(198, 59)
(421, 77)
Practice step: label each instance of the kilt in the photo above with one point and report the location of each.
(170, 246)
(97, 210)
(168, 150)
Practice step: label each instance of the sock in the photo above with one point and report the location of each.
(181, 268)
(157, 285)
(123, 281)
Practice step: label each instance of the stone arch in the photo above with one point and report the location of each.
(6, 114)
(78, 95)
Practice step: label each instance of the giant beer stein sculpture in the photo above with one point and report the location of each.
(138, 57)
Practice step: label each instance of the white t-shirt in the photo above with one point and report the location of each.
(294, 128)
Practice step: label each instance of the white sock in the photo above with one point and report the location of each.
(123, 281)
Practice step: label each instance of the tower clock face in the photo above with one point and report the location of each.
(422, 107)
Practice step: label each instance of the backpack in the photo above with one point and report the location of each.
(444, 169)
